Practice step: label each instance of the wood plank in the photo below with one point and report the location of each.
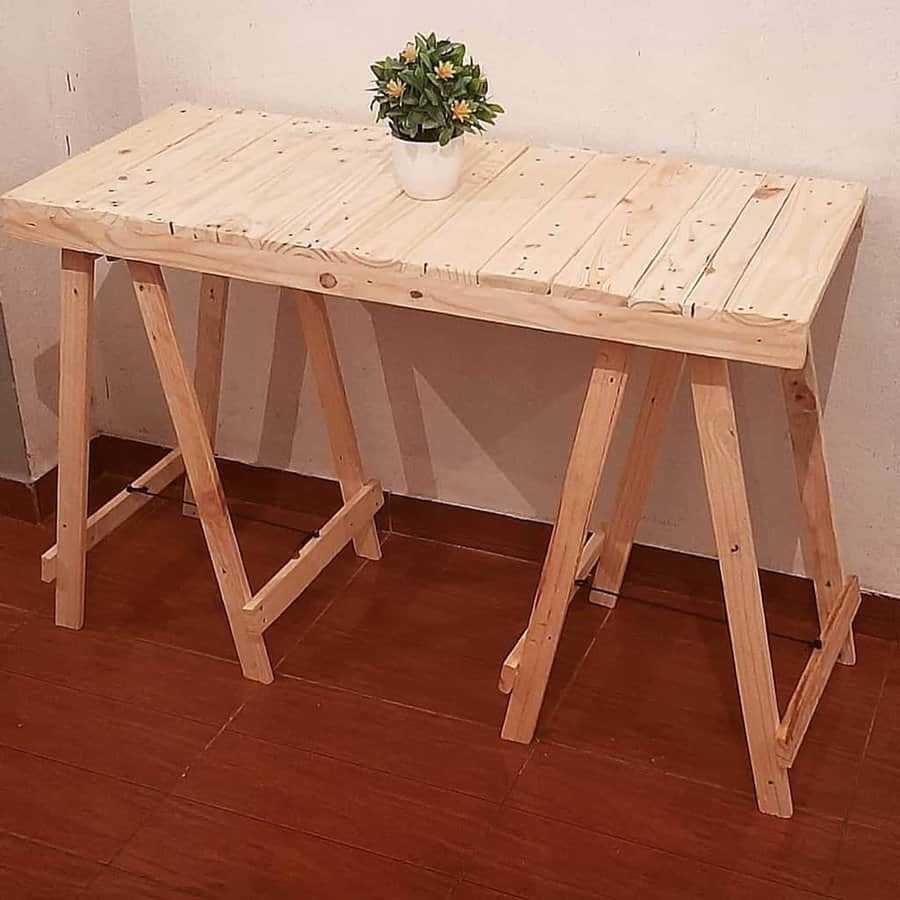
(767, 342)
(720, 276)
(692, 245)
(253, 176)
(533, 257)
(613, 260)
(153, 302)
(809, 690)
(586, 461)
(725, 485)
(589, 553)
(335, 407)
(788, 276)
(119, 154)
(76, 312)
(155, 192)
(211, 312)
(640, 462)
(388, 235)
(327, 178)
(819, 537)
(457, 250)
(352, 519)
(123, 506)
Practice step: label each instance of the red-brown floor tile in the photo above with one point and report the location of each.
(877, 801)
(698, 821)
(451, 600)
(134, 672)
(31, 871)
(539, 858)
(414, 674)
(450, 753)
(11, 620)
(693, 584)
(211, 853)
(167, 592)
(658, 687)
(395, 817)
(70, 808)
(104, 736)
(466, 891)
(114, 884)
(869, 865)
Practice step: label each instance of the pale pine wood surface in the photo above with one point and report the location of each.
(677, 255)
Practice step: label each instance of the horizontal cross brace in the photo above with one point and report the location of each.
(296, 575)
(790, 733)
(590, 553)
(121, 507)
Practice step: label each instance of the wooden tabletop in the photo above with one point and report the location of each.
(660, 252)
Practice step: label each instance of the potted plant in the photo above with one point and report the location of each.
(431, 97)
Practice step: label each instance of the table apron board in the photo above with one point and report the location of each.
(743, 338)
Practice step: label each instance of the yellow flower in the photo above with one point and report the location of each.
(444, 70)
(460, 110)
(395, 88)
(409, 53)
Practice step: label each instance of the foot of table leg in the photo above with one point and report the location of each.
(720, 451)
(211, 313)
(819, 539)
(640, 462)
(77, 300)
(336, 409)
(193, 439)
(586, 462)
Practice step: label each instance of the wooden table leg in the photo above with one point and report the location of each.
(586, 462)
(211, 313)
(336, 409)
(640, 462)
(187, 416)
(77, 301)
(720, 451)
(819, 539)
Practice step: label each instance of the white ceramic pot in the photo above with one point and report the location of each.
(428, 171)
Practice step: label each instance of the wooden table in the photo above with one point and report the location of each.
(700, 263)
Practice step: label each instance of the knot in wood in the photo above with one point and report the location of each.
(327, 280)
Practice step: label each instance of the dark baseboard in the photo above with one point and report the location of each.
(306, 501)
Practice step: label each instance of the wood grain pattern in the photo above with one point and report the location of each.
(586, 462)
(212, 308)
(819, 536)
(311, 204)
(76, 307)
(721, 455)
(338, 420)
(184, 407)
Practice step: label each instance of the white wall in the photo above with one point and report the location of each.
(67, 81)
(482, 415)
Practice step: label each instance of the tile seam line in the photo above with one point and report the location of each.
(858, 775)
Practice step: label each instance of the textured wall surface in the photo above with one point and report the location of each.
(482, 415)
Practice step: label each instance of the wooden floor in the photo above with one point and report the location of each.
(136, 763)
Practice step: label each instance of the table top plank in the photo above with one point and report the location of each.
(534, 256)
(67, 183)
(615, 258)
(388, 235)
(788, 276)
(722, 273)
(493, 215)
(692, 244)
(155, 190)
(613, 244)
(252, 181)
